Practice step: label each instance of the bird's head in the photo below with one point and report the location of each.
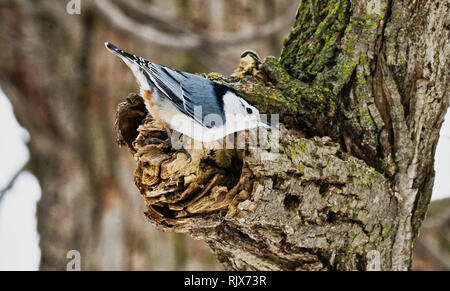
(240, 114)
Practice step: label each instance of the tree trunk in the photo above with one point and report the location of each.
(361, 89)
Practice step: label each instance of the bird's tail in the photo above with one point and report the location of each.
(128, 58)
(120, 53)
(137, 65)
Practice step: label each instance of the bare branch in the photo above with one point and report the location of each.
(262, 32)
(184, 39)
(438, 220)
(147, 33)
(433, 253)
(11, 183)
(155, 13)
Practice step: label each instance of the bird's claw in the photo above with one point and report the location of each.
(155, 140)
(184, 151)
(145, 120)
(253, 54)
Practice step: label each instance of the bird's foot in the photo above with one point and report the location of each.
(155, 140)
(187, 154)
(253, 54)
(147, 119)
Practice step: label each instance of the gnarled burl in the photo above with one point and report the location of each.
(361, 90)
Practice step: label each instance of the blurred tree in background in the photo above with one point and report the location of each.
(65, 87)
(432, 247)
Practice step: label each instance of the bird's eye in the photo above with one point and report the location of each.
(249, 110)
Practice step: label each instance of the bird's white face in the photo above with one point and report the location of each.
(239, 114)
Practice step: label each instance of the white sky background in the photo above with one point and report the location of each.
(441, 187)
(19, 239)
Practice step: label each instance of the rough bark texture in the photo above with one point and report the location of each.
(361, 89)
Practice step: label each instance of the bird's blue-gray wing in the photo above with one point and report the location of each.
(188, 91)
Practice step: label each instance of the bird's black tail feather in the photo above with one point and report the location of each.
(123, 54)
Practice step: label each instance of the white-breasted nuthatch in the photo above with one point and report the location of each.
(190, 104)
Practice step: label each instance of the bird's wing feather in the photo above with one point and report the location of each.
(186, 91)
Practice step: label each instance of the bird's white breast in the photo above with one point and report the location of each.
(186, 125)
(235, 120)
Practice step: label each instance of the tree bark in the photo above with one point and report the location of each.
(361, 89)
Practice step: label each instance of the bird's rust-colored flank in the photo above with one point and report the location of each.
(148, 95)
(154, 112)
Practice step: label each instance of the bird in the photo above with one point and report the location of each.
(190, 104)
